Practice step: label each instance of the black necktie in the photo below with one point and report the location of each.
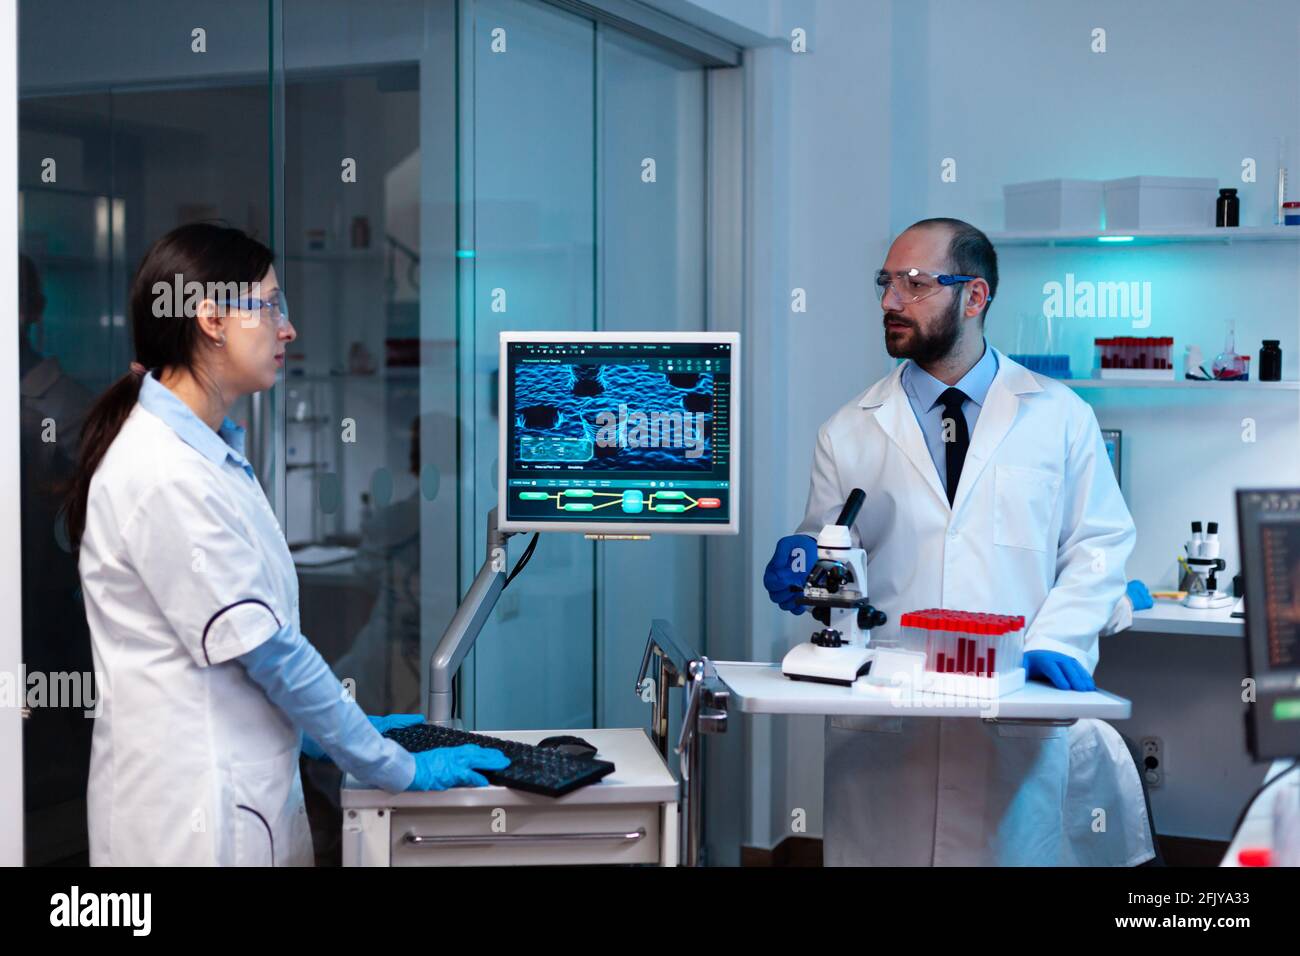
(955, 457)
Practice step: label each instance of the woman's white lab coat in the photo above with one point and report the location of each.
(1037, 527)
(184, 568)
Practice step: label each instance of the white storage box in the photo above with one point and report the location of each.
(1160, 202)
(1066, 205)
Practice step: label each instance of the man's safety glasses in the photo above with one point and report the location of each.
(913, 285)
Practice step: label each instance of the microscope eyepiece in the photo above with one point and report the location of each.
(849, 513)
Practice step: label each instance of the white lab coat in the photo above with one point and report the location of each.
(1037, 527)
(184, 568)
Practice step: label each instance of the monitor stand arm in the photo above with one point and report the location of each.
(464, 628)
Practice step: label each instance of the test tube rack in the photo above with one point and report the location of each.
(967, 653)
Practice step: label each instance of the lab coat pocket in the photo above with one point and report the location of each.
(259, 796)
(1022, 506)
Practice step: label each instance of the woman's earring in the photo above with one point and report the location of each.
(222, 342)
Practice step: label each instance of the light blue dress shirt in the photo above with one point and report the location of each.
(225, 447)
(923, 391)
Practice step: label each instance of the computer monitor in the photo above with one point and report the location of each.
(1268, 522)
(619, 432)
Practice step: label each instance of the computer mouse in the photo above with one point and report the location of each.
(565, 744)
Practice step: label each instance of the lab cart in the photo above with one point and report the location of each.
(628, 817)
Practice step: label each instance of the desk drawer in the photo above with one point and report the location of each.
(527, 836)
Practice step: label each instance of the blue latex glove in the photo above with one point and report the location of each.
(783, 583)
(315, 751)
(1139, 595)
(312, 750)
(446, 767)
(299, 682)
(1059, 670)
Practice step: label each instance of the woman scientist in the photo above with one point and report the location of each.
(207, 685)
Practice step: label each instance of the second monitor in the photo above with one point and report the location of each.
(619, 433)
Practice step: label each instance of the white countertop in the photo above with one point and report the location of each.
(1171, 617)
(763, 689)
(640, 776)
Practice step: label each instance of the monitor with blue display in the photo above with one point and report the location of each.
(619, 433)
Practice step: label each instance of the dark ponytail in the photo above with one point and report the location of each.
(199, 252)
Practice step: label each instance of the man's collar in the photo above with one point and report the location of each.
(215, 446)
(975, 383)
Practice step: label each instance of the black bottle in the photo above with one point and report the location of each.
(1227, 208)
(1270, 361)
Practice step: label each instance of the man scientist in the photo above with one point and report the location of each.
(987, 488)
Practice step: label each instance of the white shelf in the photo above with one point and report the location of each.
(1148, 237)
(1087, 383)
(1171, 617)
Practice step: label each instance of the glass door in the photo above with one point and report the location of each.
(370, 427)
(582, 165)
(429, 173)
(130, 123)
(528, 229)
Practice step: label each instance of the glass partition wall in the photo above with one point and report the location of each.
(429, 173)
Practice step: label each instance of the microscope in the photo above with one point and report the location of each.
(1203, 564)
(836, 590)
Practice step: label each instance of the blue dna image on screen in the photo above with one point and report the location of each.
(613, 417)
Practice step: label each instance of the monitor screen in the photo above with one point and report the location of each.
(618, 432)
(1269, 526)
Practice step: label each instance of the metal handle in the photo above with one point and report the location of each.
(625, 837)
(644, 670)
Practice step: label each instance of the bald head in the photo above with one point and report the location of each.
(965, 250)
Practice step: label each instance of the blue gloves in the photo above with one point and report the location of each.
(436, 769)
(314, 751)
(299, 682)
(393, 721)
(1059, 670)
(446, 767)
(1139, 595)
(782, 581)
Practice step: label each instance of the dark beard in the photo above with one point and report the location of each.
(927, 349)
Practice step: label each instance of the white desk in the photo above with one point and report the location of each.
(1257, 829)
(628, 817)
(1171, 617)
(763, 689)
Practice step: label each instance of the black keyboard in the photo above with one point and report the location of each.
(541, 770)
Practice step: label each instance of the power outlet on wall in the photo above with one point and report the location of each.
(1153, 761)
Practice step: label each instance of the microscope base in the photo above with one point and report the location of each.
(826, 665)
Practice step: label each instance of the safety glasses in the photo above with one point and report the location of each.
(913, 285)
(274, 306)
